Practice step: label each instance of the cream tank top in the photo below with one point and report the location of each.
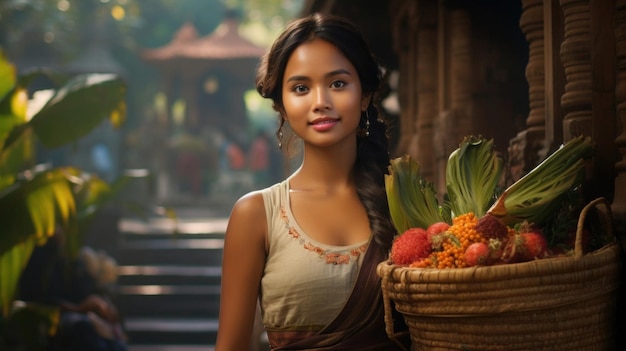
(305, 283)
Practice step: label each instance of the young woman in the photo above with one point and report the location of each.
(307, 248)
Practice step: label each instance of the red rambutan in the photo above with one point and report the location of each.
(410, 246)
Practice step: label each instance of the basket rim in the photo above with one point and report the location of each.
(551, 265)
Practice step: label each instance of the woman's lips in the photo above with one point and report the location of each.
(324, 124)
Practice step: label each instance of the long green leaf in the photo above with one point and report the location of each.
(7, 77)
(13, 117)
(12, 263)
(31, 207)
(472, 175)
(79, 106)
(533, 196)
(412, 200)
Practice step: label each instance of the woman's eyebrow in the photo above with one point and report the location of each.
(329, 74)
(337, 72)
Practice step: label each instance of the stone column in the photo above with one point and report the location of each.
(455, 86)
(554, 77)
(619, 203)
(603, 72)
(405, 45)
(576, 57)
(426, 87)
(524, 149)
(461, 74)
(618, 207)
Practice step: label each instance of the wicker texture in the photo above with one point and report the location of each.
(565, 303)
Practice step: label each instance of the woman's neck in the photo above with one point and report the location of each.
(325, 168)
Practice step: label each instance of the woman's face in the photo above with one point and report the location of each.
(321, 93)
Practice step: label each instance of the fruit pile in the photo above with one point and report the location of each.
(477, 224)
(462, 245)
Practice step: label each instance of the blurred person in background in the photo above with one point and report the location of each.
(259, 159)
(89, 318)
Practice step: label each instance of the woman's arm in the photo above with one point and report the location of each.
(242, 267)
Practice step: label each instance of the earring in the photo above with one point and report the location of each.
(365, 132)
(280, 137)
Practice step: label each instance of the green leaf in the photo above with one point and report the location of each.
(79, 106)
(412, 200)
(13, 117)
(7, 77)
(16, 158)
(472, 175)
(12, 264)
(33, 206)
(534, 196)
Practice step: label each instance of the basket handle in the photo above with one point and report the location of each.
(394, 336)
(605, 218)
(387, 306)
(388, 309)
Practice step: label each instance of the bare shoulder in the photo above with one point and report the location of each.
(250, 204)
(247, 218)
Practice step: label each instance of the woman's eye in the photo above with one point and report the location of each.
(299, 88)
(338, 84)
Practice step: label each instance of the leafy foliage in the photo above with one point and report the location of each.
(472, 175)
(36, 199)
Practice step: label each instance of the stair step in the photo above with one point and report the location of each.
(170, 348)
(172, 324)
(169, 300)
(168, 290)
(170, 331)
(171, 270)
(169, 275)
(130, 237)
(174, 243)
(190, 252)
(165, 226)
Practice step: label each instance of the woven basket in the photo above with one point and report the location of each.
(565, 303)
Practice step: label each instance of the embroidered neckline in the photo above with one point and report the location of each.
(329, 257)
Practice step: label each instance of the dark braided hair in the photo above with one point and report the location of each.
(372, 158)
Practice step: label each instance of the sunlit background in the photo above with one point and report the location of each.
(179, 108)
(160, 130)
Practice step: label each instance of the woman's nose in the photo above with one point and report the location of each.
(322, 100)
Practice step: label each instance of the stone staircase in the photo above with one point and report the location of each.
(169, 279)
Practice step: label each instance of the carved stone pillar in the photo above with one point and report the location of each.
(604, 123)
(426, 86)
(619, 203)
(525, 147)
(461, 73)
(576, 58)
(454, 85)
(405, 46)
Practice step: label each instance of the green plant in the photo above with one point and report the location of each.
(36, 199)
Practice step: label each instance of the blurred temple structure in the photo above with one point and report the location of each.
(209, 75)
